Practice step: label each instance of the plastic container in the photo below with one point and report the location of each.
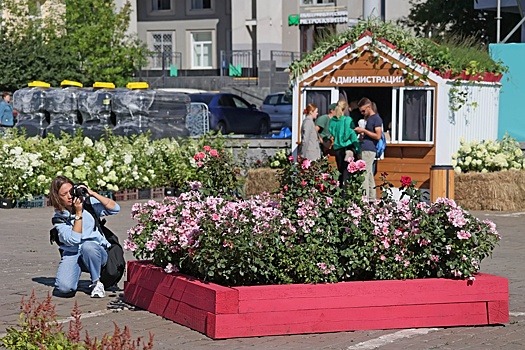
(94, 106)
(29, 102)
(62, 106)
(140, 109)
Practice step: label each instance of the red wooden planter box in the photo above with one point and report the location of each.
(222, 312)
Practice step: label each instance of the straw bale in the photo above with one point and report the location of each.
(261, 180)
(498, 191)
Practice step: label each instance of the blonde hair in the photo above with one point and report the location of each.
(340, 108)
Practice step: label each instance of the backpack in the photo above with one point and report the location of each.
(381, 146)
(113, 271)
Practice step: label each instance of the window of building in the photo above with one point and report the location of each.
(201, 48)
(317, 2)
(161, 45)
(200, 7)
(161, 5)
(200, 4)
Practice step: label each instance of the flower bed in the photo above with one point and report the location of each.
(113, 163)
(222, 312)
(260, 265)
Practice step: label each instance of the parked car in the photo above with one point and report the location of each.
(279, 107)
(230, 113)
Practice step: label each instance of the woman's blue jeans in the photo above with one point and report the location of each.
(91, 257)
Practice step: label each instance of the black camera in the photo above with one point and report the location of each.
(78, 191)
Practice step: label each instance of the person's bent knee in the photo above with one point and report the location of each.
(64, 289)
(90, 248)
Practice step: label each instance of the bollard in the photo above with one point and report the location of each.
(441, 182)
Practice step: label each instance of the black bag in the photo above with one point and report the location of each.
(113, 271)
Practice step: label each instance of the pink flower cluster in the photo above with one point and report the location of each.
(356, 166)
(207, 152)
(325, 268)
(176, 225)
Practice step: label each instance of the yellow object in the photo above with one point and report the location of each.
(71, 83)
(137, 85)
(38, 83)
(103, 85)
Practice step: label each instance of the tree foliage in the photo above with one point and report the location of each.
(87, 42)
(441, 17)
(448, 18)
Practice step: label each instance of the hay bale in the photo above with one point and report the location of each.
(261, 180)
(499, 191)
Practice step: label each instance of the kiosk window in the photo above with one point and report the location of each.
(321, 98)
(414, 117)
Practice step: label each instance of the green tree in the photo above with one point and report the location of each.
(447, 18)
(441, 17)
(96, 31)
(82, 40)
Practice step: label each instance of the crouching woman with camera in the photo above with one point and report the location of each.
(83, 247)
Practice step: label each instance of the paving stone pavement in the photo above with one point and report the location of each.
(28, 263)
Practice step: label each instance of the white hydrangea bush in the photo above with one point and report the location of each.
(488, 156)
(113, 163)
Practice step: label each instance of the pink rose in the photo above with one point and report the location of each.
(199, 156)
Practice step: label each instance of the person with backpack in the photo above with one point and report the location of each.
(371, 134)
(83, 246)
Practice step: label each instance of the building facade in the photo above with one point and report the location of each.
(224, 36)
(187, 34)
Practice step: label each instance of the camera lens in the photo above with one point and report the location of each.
(78, 192)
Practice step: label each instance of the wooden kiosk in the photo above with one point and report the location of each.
(425, 114)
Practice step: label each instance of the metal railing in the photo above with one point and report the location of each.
(239, 63)
(198, 119)
(164, 60)
(283, 59)
(161, 65)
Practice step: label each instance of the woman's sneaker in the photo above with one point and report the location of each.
(98, 291)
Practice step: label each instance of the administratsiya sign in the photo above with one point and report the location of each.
(388, 80)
